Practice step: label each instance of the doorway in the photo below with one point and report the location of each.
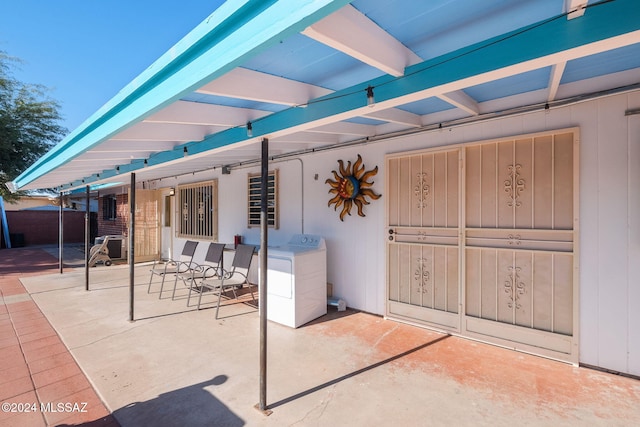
(481, 241)
(147, 230)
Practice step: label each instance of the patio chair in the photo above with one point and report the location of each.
(170, 266)
(210, 268)
(233, 279)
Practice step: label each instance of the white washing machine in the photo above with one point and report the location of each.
(297, 281)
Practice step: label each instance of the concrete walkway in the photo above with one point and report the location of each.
(175, 366)
(40, 382)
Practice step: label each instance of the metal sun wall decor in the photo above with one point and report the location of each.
(351, 187)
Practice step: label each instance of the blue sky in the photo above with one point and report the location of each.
(85, 51)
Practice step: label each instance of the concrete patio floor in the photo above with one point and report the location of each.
(176, 366)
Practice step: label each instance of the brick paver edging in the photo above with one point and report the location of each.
(40, 382)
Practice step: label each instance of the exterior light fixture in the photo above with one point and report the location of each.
(370, 99)
(185, 151)
(249, 130)
(146, 163)
(226, 170)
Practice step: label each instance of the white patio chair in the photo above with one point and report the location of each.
(170, 266)
(232, 279)
(209, 269)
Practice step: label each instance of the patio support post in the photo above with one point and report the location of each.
(263, 272)
(87, 237)
(60, 235)
(132, 232)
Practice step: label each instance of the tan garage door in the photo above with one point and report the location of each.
(506, 276)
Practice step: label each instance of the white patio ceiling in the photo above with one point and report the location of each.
(299, 72)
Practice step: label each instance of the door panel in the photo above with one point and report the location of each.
(166, 233)
(423, 251)
(424, 275)
(543, 191)
(506, 276)
(526, 288)
(563, 182)
(537, 342)
(519, 271)
(147, 225)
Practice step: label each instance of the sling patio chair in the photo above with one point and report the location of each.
(172, 266)
(232, 279)
(210, 268)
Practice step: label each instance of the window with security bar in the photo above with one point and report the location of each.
(109, 208)
(197, 210)
(254, 191)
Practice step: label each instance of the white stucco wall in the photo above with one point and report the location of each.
(609, 238)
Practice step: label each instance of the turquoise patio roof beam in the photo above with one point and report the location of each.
(603, 21)
(235, 32)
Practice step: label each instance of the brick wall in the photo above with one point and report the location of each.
(117, 226)
(41, 227)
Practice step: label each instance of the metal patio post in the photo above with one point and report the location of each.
(132, 241)
(87, 237)
(262, 298)
(60, 235)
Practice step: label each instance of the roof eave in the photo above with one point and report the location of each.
(237, 30)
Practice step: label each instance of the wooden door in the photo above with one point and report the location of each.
(147, 225)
